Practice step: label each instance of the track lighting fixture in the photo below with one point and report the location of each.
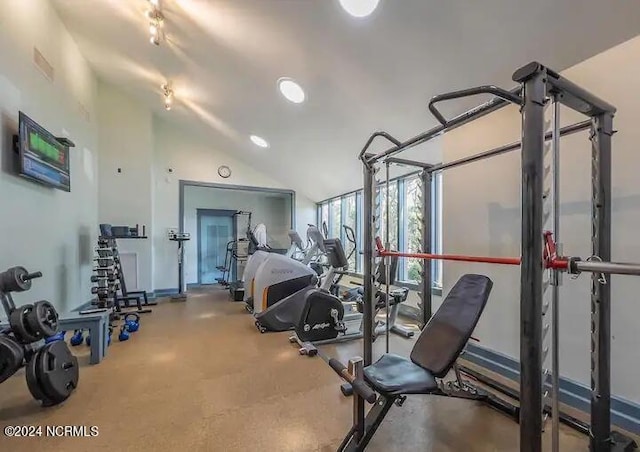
(156, 22)
(167, 92)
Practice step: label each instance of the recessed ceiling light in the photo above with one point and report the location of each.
(291, 90)
(259, 141)
(359, 8)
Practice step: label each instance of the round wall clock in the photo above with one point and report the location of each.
(224, 171)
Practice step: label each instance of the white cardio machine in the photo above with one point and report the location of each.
(266, 269)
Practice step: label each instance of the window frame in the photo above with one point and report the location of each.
(402, 225)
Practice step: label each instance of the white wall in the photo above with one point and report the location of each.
(125, 170)
(482, 216)
(154, 155)
(42, 228)
(273, 211)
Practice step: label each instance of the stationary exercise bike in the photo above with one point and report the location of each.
(326, 319)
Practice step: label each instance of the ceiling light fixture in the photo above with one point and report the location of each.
(359, 8)
(259, 141)
(291, 90)
(156, 21)
(167, 92)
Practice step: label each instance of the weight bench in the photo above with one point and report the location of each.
(98, 325)
(389, 380)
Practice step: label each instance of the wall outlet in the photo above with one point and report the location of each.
(171, 231)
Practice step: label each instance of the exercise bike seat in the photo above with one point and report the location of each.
(395, 375)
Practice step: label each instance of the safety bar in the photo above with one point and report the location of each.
(359, 386)
(568, 93)
(509, 96)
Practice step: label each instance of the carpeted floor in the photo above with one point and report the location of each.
(199, 376)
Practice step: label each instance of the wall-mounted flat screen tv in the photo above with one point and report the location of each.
(42, 158)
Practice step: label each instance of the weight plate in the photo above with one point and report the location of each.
(57, 371)
(43, 319)
(11, 356)
(32, 379)
(17, 320)
(11, 280)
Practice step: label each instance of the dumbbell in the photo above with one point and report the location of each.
(104, 252)
(102, 290)
(17, 279)
(97, 278)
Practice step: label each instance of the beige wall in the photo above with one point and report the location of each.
(482, 216)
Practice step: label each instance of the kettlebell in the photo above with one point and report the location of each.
(56, 337)
(77, 338)
(124, 334)
(132, 324)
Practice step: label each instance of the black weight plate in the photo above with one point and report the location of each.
(11, 280)
(43, 319)
(32, 379)
(18, 352)
(17, 320)
(11, 356)
(58, 371)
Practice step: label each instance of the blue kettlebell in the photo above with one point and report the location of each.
(124, 334)
(132, 320)
(77, 338)
(56, 337)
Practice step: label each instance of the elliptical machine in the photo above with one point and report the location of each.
(326, 319)
(285, 313)
(279, 276)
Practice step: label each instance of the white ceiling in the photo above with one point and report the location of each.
(360, 75)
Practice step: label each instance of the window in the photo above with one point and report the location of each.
(405, 206)
(335, 218)
(393, 214)
(324, 216)
(413, 237)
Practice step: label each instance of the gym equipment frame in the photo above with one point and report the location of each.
(538, 86)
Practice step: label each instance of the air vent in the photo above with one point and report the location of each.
(42, 64)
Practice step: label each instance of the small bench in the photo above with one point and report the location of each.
(96, 323)
(98, 326)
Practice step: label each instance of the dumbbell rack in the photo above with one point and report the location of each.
(124, 299)
(105, 277)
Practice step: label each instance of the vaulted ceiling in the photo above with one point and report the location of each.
(224, 58)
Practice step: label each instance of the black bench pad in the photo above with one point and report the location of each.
(395, 375)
